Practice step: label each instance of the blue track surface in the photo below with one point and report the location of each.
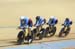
(48, 45)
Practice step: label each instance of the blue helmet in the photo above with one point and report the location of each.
(67, 19)
(37, 17)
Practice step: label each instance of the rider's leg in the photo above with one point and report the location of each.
(29, 31)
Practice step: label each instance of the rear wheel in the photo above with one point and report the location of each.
(34, 33)
(31, 37)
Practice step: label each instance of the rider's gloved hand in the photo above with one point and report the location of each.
(19, 27)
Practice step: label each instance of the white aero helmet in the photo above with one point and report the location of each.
(56, 18)
(26, 17)
(22, 17)
(70, 20)
(52, 17)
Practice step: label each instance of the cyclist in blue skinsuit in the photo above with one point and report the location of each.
(52, 21)
(25, 22)
(40, 21)
(67, 22)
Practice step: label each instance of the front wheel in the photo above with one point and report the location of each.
(52, 33)
(67, 31)
(62, 32)
(42, 33)
(20, 37)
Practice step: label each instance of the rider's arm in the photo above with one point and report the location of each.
(41, 22)
(49, 22)
(37, 23)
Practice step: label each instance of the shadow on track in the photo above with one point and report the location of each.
(14, 43)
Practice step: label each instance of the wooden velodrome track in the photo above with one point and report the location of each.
(11, 10)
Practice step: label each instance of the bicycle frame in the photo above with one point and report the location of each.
(50, 27)
(38, 29)
(65, 28)
(27, 31)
